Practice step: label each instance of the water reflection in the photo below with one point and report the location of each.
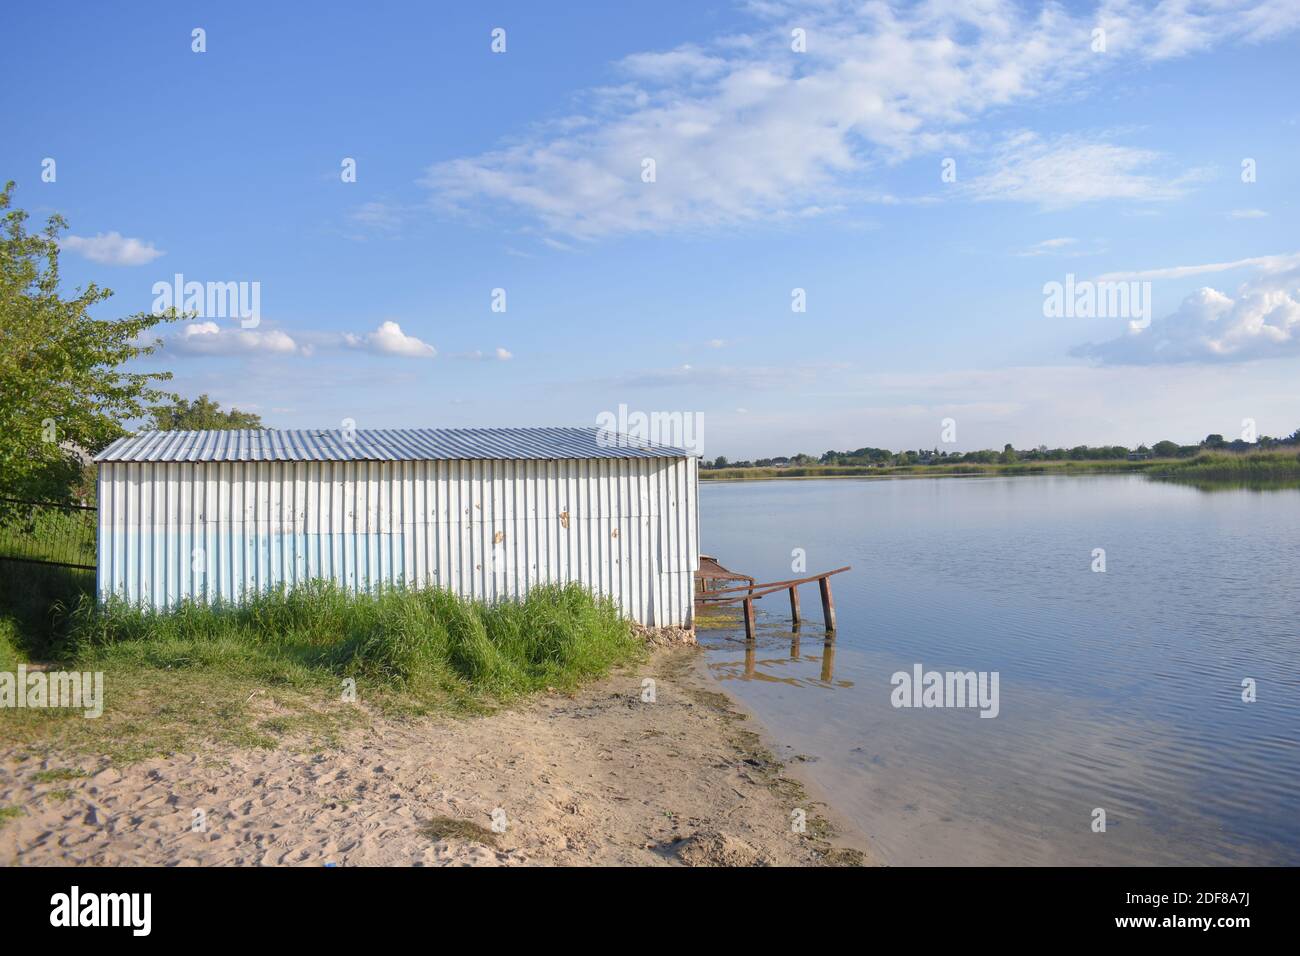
(1232, 484)
(793, 667)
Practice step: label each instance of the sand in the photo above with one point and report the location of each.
(599, 778)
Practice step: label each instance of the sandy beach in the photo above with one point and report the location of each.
(599, 778)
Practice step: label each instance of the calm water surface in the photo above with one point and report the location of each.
(1119, 690)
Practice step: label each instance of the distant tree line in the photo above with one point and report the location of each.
(199, 415)
(1008, 454)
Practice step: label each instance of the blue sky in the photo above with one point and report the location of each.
(775, 169)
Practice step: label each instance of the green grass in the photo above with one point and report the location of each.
(9, 813)
(275, 666)
(1235, 469)
(51, 776)
(34, 599)
(11, 654)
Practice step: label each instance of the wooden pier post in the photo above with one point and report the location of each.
(749, 619)
(794, 606)
(828, 603)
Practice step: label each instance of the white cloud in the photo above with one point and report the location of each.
(685, 61)
(1262, 320)
(112, 249)
(1071, 170)
(1248, 214)
(389, 339)
(1047, 246)
(208, 338)
(478, 355)
(1270, 264)
(743, 130)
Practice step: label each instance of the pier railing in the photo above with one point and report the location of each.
(753, 592)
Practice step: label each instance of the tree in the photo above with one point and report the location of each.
(1165, 449)
(202, 413)
(1008, 455)
(63, 388)
(1213, 441)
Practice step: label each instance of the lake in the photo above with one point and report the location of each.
(1119, 690)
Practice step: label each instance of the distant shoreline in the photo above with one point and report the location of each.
(1264, 466)
(926, 471)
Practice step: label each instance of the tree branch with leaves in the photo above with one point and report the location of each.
(65, 389)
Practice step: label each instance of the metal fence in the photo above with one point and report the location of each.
(43, 532)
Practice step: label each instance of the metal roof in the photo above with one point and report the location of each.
(383, 444)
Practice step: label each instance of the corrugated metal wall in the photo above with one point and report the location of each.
(627, 528)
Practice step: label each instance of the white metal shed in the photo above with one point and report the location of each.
(486, 513)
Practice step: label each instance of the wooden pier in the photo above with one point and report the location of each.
(746, 594)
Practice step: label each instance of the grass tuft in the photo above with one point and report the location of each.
(9, 813)
(51, 776)
(454, 828)
(276, 664)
